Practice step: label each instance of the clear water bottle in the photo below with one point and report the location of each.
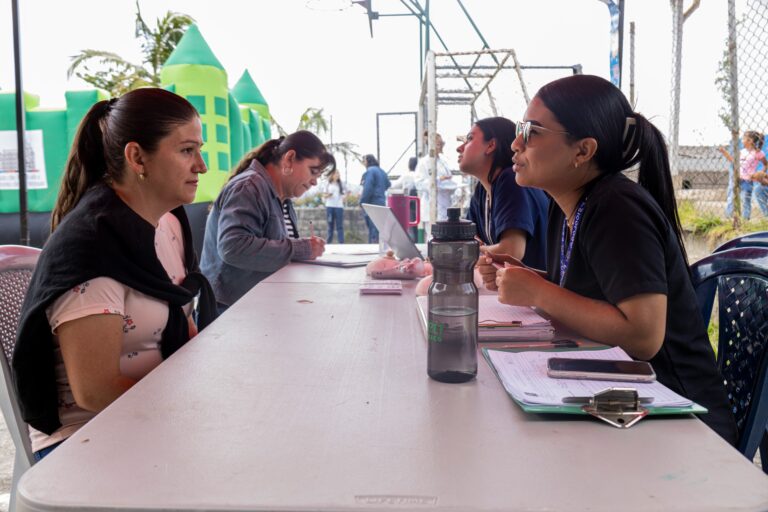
(452, 299)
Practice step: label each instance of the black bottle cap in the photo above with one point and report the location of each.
(454, 228)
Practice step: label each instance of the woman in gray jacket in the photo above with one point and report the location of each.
(251, 231)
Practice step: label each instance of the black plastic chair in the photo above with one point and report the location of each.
(757, 239)
(740, 277)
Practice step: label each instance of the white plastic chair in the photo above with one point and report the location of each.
(16, 265)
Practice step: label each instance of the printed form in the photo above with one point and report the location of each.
(524, 376)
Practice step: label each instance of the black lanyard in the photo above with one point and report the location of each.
(565, 254)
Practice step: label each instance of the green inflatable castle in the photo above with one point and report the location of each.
(233, 122)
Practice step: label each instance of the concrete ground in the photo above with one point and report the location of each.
(7, 453)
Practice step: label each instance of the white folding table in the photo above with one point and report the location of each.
(306, 395)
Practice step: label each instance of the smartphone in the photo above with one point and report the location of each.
(600, 369)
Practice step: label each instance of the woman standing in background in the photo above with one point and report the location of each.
(334, 206)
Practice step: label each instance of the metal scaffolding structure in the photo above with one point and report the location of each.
(461, 78)
(439, 87)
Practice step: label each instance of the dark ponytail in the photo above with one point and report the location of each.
(306, 145)
(654, 173)
(86, 164)
(264, 154)
(590, 106)
(143, 116)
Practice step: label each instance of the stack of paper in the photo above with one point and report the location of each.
(341, 260)
(381, 287)
(501, 322)
(524, 376)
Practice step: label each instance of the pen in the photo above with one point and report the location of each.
(311, 229)
(546, 345)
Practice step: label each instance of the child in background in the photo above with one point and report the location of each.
(749, 179)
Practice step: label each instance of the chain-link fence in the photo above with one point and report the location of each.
(724, 176)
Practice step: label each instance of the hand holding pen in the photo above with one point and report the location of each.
(488, 263)
(317, 244)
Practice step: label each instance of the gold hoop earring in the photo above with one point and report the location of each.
(287, 171)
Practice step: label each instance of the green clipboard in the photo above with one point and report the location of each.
(626, 419)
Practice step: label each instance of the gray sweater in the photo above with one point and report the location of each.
(245, 236)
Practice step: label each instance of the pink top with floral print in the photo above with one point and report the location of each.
(144, 320)
(750, 159)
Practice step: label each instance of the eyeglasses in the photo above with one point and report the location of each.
(525, 127)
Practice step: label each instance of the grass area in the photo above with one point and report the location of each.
(713, 228)
(713, 331)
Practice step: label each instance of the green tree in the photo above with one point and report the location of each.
(111, 72)
(313, 120)
(723, 83)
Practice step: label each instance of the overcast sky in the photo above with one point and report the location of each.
(301, 57)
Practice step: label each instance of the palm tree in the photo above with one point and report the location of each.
(313, 120)
(109, 71)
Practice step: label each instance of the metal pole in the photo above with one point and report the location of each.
(621, 40)
(378, 140)
(677, 54)
(20, 128)
(632, 63)
(733, 78)
(432, 135)
(428, 23)
(421, 50)
(519, 72)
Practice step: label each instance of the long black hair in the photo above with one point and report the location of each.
(305, 143)
(341, 184)
(503, 130)
(370, 161)
(590, 106)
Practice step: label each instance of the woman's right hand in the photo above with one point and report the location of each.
(518, 285)
(488, 263)
(317, 246)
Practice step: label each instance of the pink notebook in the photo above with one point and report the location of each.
(381, 287)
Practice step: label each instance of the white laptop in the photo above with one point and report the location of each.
(391, 232)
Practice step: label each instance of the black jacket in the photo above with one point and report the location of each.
(100, 237)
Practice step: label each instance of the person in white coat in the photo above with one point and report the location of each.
(445, 184)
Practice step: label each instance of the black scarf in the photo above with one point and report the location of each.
(100, 237)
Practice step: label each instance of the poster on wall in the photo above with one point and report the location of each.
(33, 155)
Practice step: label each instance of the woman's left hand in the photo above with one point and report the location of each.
(518, 286)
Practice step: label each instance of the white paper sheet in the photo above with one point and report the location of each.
(491, 311)
(524, 376)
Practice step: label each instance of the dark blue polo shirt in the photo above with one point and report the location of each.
(513, 207)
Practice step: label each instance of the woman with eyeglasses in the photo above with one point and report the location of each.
(247, 234)
(617, 268)
(510, 219)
